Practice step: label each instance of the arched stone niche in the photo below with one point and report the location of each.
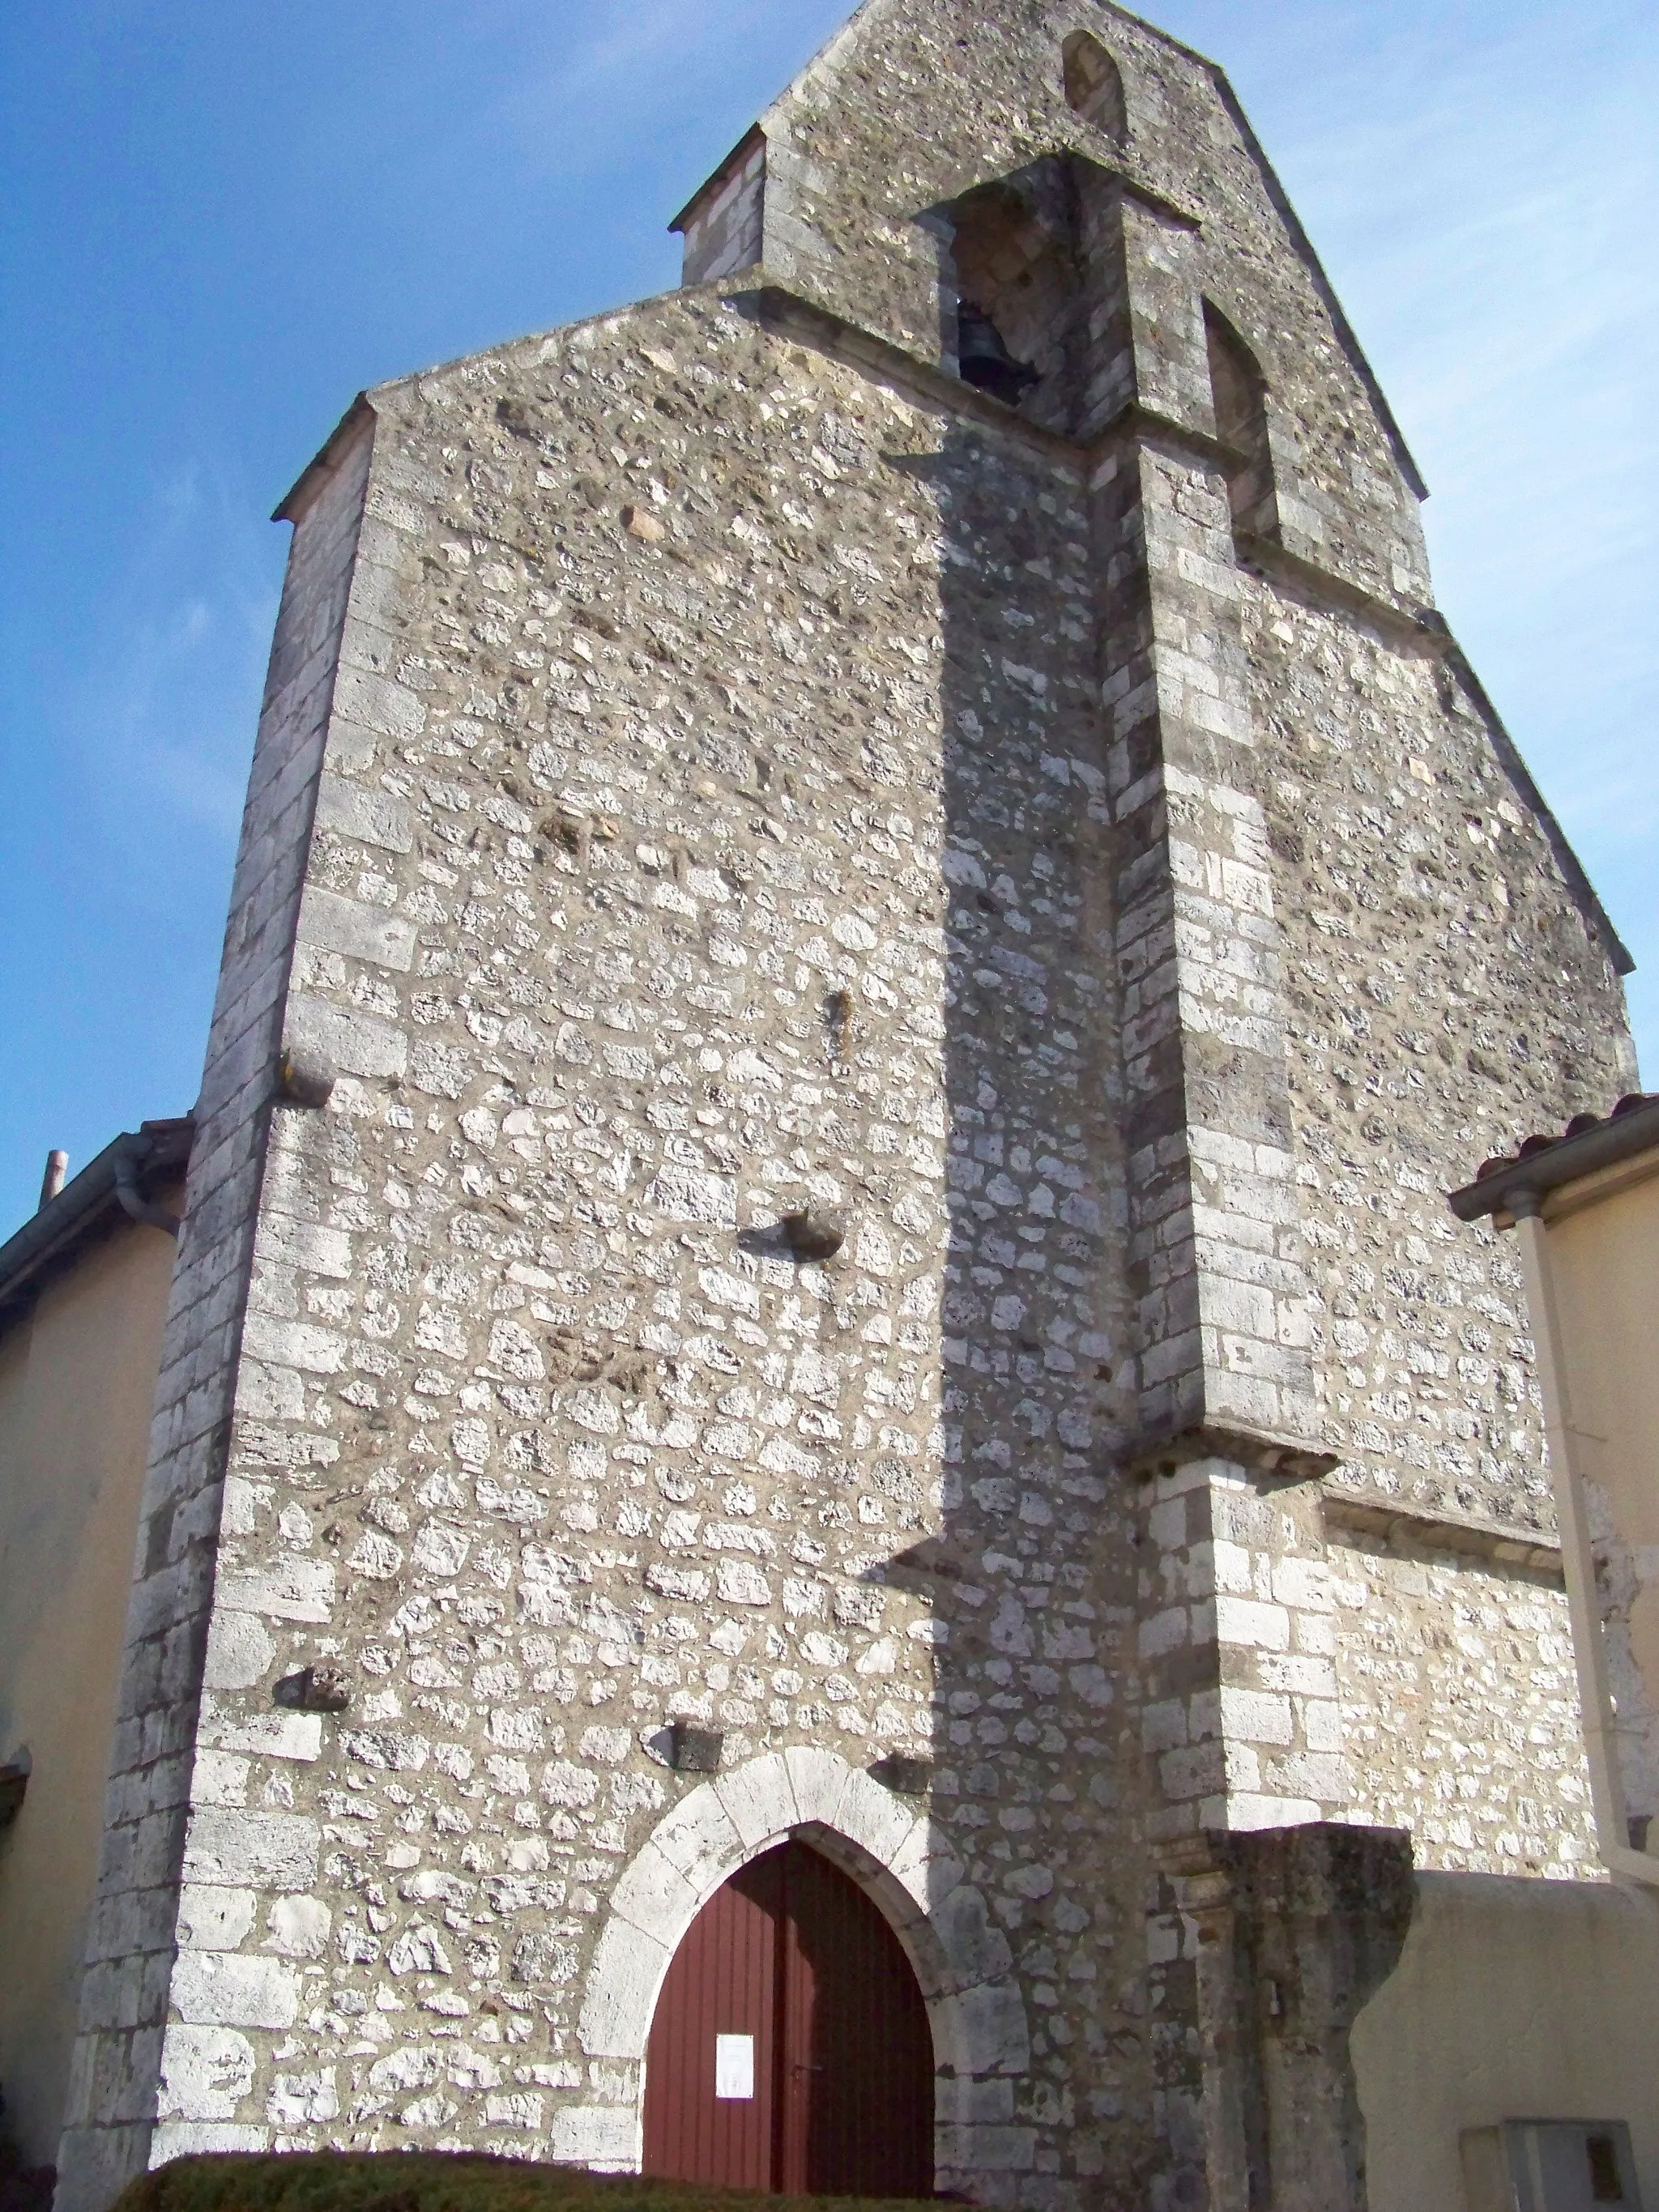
(1239, 392)
(981, 2041)
(1094, 85)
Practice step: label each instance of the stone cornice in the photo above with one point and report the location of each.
(1396, 1523)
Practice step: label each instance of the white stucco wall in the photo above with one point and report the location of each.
(77, 1377)
(1514, 2000)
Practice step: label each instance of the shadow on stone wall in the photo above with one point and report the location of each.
(1033, 1574)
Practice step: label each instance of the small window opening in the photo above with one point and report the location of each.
(1094, 85)
(1240, 395)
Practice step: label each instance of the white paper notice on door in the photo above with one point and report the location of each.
(734, 2066)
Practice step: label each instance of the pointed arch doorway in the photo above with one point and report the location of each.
(790, 2049)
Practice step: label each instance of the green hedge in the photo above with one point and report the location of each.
(431, 2181)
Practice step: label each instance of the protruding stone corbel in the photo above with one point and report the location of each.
(694, 1750)
(906, 1777)
(314, 1690)
(304, 1077)
(813, 1234)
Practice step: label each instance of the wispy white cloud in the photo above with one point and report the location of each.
(163, 716)
(647, 47)
(642, 65)
(1488, 206)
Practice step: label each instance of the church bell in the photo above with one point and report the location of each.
(985, 360)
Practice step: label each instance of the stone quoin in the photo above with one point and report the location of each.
(845, 1008)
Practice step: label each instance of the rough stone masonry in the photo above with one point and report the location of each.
(719, 765)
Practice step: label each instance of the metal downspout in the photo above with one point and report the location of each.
(1577, 1557)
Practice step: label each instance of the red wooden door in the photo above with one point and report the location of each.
(791, 1987)
(721, 1982)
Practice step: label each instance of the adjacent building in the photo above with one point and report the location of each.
(1585, 1207)
(84, 1292)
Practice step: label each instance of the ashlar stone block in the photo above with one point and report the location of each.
(759, 1799)
(700, 1840)
(621, 1991)
(206, 2071)
(238, 1848)
(234, 1989)
(982, 2030)
(655, 1896)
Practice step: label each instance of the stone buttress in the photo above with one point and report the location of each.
(719, 767)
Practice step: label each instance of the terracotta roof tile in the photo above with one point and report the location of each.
(1580, 1125)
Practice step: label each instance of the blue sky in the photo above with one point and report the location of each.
(220, 221)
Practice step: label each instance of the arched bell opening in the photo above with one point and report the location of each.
(1015, 267)
(790, 2049)
(1094, 85)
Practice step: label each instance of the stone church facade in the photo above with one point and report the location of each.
(847, 1008)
